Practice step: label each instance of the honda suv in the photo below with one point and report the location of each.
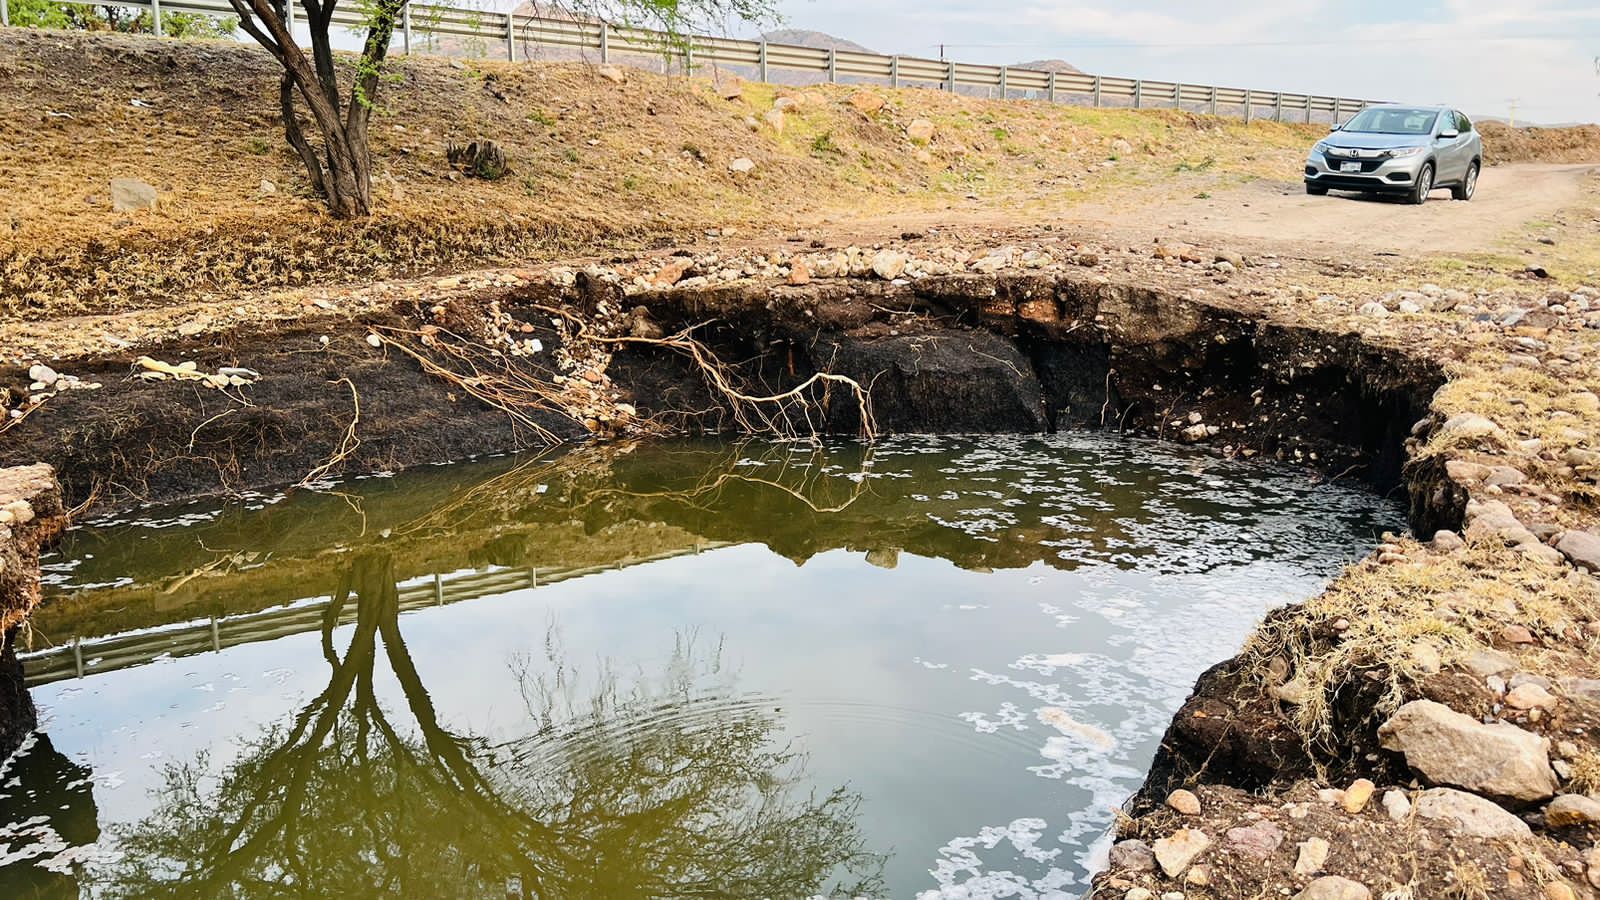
(1404, 150)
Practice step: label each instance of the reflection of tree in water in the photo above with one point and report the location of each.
(640, 794)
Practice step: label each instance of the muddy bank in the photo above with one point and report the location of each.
(964, 353)
(30, 517)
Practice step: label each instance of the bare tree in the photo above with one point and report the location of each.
(342, 172)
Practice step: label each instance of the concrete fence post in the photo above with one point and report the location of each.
(405, 28)
(1138, 94)
(1213, 100)
(1248, 96)
(1097, 91)
(1338, 103)
(1177, 96)
(511, 37)
(688, 57)
(605, 43)
(5, 13)
(1308, 109)
(1050, 89)
(833, 66)
(894, 71)
(1278, 104)
(761, 61)
(1003, 82)
(155, 16)
(950, 76)
(288, 16)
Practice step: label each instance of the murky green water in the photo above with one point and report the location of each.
(756, 670)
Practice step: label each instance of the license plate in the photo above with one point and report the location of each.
(1350, 167)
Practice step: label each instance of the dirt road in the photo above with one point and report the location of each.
(1508, 198)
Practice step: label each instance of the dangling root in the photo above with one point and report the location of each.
(346, 446)
(509, 389)
(775, 415)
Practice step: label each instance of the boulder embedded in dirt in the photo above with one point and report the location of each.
(1448, 747)
(940, 381)
(920, 130)
(132, 195)
(1470, 814)
(1571, 811)
(866, 102)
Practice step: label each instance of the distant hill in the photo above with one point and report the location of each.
(1049, 65)
(815, 39)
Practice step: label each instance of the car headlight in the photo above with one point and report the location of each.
(1320, 147)
(1400, 152)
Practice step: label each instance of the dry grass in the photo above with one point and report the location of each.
(1585, 773)
(1455, 603)
(204, 132)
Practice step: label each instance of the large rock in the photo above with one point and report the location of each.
(132, 195)
(1582, 549)
(1447, 747)
(920, 130)
(940, 382)
(1332, 887)
(1132, 856)
(1471, 815)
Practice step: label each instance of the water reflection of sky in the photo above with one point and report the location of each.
(990, 720)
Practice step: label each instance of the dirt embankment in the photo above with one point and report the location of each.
(1570, 144)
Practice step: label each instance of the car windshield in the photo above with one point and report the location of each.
(1392, 121)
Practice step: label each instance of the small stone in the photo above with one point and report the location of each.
(1132, 856)
(1260, 840)
(1582, 549)
(131, 195)
(1530, 696)
(742, 166)
(374, 341)
(866, 102)
(613, 74)
(1139, 893)
(1175, 853)
(799, 272)
(43, 374)
(1572, 811)
(920, 130)
(1447, 541)
(1484, 663)
(1591, 858)
(1357, 795)
(888, 264)
(1471, 814)
(1515, 635)
(266, 188)
(1397, 805)
(1333, 887)
(1313, 856)
(1469, 425)
(1373, 309)
(1184, 801)
(1559, 890)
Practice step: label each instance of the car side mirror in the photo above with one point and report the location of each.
(1449, 134)
(1336, 127)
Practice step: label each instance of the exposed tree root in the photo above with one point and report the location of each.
(347, 446)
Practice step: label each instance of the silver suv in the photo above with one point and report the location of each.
(1405, 150)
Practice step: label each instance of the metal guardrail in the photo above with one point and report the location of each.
(763, 57)
(80, 658)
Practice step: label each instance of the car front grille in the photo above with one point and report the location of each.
(1336, 160)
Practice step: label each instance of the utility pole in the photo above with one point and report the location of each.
(1513, 120)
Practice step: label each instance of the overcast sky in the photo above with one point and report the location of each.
(1475, 54)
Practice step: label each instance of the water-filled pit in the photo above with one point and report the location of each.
(931, 665)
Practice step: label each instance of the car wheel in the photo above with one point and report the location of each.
(1468, 185)
(1419, 193)
(1316, 190)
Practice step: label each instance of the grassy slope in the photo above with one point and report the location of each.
(205, 133)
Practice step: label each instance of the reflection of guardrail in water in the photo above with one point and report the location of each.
(81, 658)
(512, 30)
